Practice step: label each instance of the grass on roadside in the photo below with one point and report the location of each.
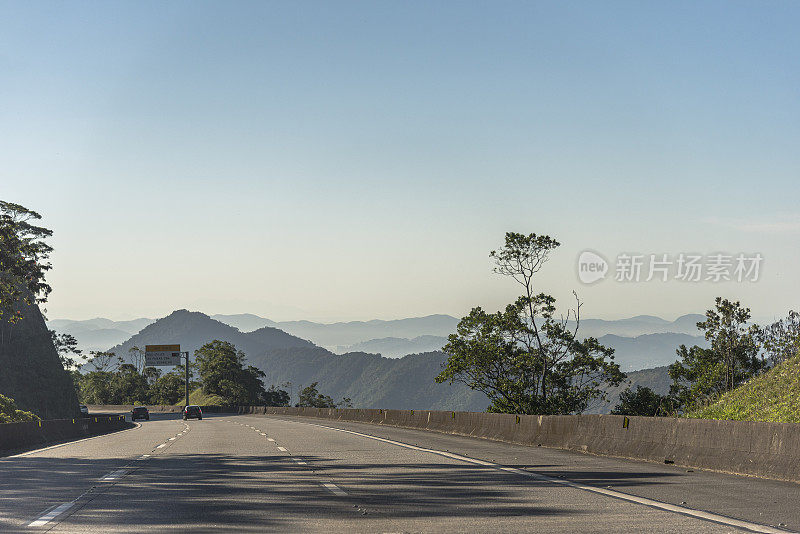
(771, 397)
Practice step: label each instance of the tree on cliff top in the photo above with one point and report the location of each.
(23, 259)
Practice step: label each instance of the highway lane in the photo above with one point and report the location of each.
(254, 474)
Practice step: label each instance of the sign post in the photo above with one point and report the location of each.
(168, 355)
(186, 368)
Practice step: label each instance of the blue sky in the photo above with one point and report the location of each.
(359, 159)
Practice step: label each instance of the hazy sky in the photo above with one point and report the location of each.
(357, 160)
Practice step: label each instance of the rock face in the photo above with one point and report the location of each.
(30, 371)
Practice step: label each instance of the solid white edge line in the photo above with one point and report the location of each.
(708, 516)
(20, 455)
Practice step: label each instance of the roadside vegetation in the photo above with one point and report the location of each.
(221, 378)
(526, 358)
(10, 413)
(748, 373)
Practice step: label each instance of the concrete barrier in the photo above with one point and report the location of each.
(768, 450)
(17, 436)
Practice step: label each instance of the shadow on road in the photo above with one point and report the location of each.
(256, 492)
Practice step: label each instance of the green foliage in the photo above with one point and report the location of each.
(524, 358)
(276, 397)
(67, 348)
(310, 397)
(168, 389)
(643, 401)
(222, 373)
(701, 374)
(23, 260)
(781, 339)
(773, 396)
(9, 413)
(199, 398)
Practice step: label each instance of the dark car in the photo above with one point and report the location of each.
(192, 411)
(140, 412)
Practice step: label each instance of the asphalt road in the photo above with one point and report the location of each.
(231, 473)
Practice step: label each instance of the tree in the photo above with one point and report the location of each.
(701, 374)
(128, 386)
(276, 397)
(781, 339)
(524, 358)
(310, 397)
(23, 260)
(167, 389)
(644, 401)
(222, 372)
(95, 388)
(151, 374)
(104, 361)
(10, 413)
(137, 356)
(67, 346)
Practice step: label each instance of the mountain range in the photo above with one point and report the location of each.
(368, 378)
(640, 342)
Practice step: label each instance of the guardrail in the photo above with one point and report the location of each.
(16, 436)
(768, 450)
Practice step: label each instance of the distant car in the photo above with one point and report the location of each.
(192, 411)
(140, 412)
(84, 410)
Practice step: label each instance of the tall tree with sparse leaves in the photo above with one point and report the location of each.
(525, 358)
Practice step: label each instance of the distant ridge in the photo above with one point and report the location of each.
(193, 329)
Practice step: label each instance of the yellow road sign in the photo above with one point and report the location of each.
(162, 348)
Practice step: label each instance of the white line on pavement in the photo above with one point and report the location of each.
(333, 488)
(138, 425)
(270, 439)
(162, 445)
(700, 514)
(281, 449)
(114, 475)
(52, 514)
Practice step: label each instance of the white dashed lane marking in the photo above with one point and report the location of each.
(333, 488)
(281, 449)
(114, 475)
(52, 514)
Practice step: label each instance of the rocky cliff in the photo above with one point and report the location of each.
(30, 371)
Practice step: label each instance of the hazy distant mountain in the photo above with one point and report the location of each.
(246, 322)
(395, 347)
(193, 329)
(70, 326)
(648, 350)
(98, 333)
(333, 335)
(371, 381)
(640, 325)
(368, 379)
(656, 379)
